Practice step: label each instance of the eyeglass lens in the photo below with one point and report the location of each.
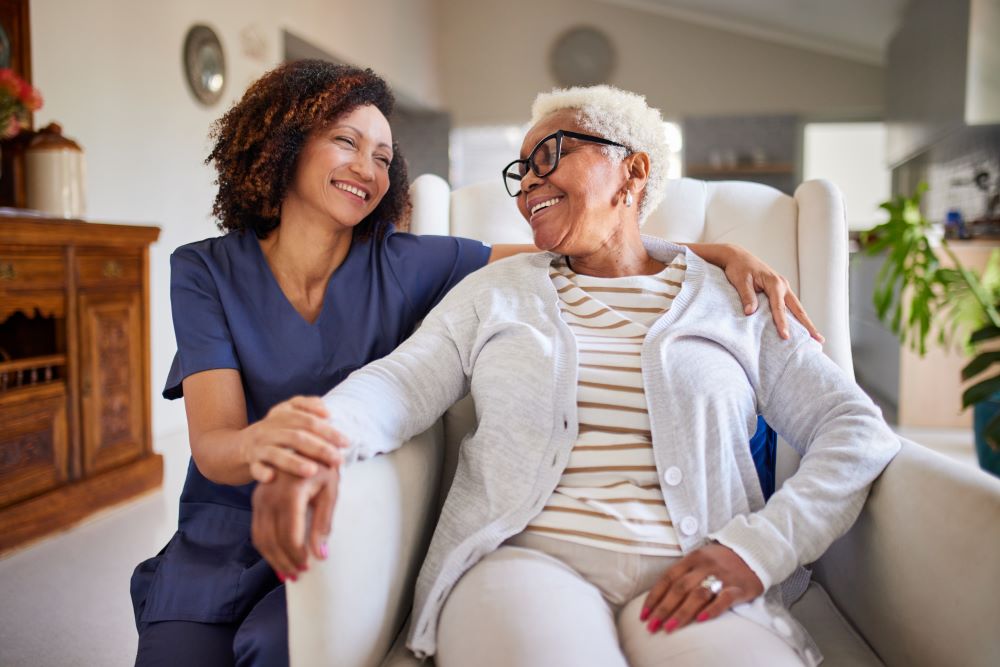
(543, 160)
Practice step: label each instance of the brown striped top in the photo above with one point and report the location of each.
(609, 493)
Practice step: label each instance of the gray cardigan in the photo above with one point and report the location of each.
(708, 370)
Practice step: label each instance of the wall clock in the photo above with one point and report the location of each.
(582, 56)
(204, 64)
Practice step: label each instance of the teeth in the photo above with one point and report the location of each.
(350, 188)
(548, 202)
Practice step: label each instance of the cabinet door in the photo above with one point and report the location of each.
(33, 443)
(112, 382)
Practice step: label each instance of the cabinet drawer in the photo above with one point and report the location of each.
(110, 270)
(20, 272)
(33, 442)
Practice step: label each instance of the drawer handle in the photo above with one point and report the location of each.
(112, 269)
(8, 271)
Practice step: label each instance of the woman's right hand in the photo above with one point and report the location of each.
(281, 528)
(294, 437)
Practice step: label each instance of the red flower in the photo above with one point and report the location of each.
(10, 81)
(29, 96)
(17, 99)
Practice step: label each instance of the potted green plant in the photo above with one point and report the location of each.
(919, 297)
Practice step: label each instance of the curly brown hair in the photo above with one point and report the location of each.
(258, 141)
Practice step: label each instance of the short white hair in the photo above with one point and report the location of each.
(622, 117)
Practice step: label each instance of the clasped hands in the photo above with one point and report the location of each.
(296, 455)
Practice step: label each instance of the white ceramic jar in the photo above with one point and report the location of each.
(55, 174)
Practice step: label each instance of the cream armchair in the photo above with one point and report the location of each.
(915, 581)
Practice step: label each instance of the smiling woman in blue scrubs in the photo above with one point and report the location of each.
(310, 282)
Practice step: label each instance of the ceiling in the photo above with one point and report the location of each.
(855, 29)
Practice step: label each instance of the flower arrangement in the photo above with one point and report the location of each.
(17, 99)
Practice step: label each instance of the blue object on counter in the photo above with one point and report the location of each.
(955, 226)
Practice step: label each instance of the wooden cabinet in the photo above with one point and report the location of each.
(75, 408)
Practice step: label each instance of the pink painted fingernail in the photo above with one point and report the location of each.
(670, 625)
(702, 617)
(281, 577)
(645, 613)
(324, 551)
(654, 625)
(293, 577)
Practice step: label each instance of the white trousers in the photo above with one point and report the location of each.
(544, 602)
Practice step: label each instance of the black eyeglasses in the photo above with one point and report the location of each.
(544, 158)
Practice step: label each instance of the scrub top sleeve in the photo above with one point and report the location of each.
(428, 266)
(204, 341)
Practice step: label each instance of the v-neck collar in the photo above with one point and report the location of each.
(272, 286)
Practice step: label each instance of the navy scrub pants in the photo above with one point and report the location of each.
(261, 640)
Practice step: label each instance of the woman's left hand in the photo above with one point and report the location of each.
(750, 275)
(679, 597)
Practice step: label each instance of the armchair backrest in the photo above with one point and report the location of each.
(804, 237)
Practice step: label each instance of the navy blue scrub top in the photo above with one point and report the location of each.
(229, 312)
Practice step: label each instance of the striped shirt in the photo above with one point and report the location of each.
(609, 493)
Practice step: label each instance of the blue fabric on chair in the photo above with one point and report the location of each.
(763, 448)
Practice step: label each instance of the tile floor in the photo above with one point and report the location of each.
(64, 601)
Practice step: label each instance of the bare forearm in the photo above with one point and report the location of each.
(220, 455)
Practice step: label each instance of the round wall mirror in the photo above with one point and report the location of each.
(204, 64)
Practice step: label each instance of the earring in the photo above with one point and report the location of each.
(628, 198)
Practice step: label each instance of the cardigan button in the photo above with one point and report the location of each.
(673, 476)
(689, 525)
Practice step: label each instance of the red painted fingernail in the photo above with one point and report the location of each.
(670, 625)
(304, 567)
(645, 613)
(654, 625)
(323, 551)
(702, 617)
(281, 577)
(293, 577)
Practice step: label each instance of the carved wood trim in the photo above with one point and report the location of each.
(111, 381)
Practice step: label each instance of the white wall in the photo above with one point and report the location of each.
(495, 59)
(110, 72)
(852, 155)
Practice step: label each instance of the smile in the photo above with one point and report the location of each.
(358, 192)
(545, 204)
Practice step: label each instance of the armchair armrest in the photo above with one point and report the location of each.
(348, 609)
(917, 574)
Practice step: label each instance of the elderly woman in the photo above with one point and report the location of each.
(606, 511)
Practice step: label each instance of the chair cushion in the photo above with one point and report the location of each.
(837, 640)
